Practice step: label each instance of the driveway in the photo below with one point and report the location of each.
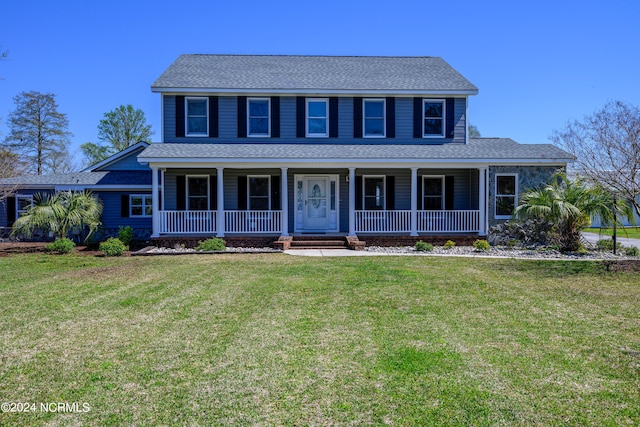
(624, 241)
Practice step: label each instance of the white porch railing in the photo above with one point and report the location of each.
(187, 222)
(455, 221)
(383, 221)
(253, 221)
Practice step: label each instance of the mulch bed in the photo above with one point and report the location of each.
(8, 248)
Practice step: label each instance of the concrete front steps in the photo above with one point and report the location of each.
(318, 242)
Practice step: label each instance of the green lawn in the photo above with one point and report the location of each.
(631, 232)
(280, 340)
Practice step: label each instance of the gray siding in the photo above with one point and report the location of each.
(228, 124)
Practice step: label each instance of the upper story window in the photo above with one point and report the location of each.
(317, 117)
(23, 203)
(140, 205)
(258, 192)
(258, 117)
(432, 193)
(506, 195)
(197, 121)
(374, 118)
(433, 113)
(373, 192)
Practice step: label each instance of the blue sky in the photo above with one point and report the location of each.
(537, 64)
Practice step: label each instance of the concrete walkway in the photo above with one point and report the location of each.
(332, 252)
(624, 241)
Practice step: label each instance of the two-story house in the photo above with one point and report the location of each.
(266, 147)
(358, 146)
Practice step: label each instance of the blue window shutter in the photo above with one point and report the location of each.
(11, 210)
(124, 206)
(213, 116)
(275, 117)
(417, 117)
(242, 193)
(357, 117)
(359, 192)
(181, 193)
(391, 117)
(390, 197)
(300, 117)
(242, 117)
(450, 120)
(333, 117)
(275, 192)
(448, 193)
(179, 116)
(420, 195)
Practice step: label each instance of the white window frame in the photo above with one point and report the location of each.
(20, 212)
(441, 177)
(188, 196)
(249, 177)
(444, 118)
(259, 135)
(143, 206)
(384, 117)
(326, 118)
(186, 116)
(496, 195)
(384, 190)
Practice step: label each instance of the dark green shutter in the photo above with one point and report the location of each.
(213, 192)
(359, 193)
(420, 195)
(11, 210)
(180, 116)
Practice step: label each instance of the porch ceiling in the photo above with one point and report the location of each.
(483, 150)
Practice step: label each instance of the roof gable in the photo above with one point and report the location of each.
(123, 160)
(313, 73)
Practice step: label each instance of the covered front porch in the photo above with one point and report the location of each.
(251, 199)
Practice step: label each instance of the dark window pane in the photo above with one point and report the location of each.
(196, 107)
(258, 186)
(506, 185)
(198, 203)
(505, 205)
(136, 210)
(259, 108)
(259, 203)
(374, 109)
(433, 109)
(433, 186)
(318, 126)
(432, 203)
(197, 125)
(433, 126)
(198, 187)
(373, 127)
(317, 109)
(258, 126)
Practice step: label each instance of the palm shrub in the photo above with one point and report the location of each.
(568, 204)
(59, 213)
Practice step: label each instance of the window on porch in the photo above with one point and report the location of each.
(198, 193)
(258, 193)
(433, 193)
(373, 192)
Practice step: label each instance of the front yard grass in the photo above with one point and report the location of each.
(280, 340)
(630, 232)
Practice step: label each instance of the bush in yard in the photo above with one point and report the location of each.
(213, 244)
(607, 245)
(61, 246)
(481, 245)
(423, 246)
(125, 234)
(632, 251)
(449, 244)
(113, 247)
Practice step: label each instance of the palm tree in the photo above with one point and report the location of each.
(59, 213)
(569, 205)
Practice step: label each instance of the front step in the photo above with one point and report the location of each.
(318, 242)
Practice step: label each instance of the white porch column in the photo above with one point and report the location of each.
(414, 201)
(220, 203)
(482, 199)
(155, 205)
(162, 171)
(284, 202)
(352, 201)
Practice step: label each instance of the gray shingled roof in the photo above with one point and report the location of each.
(83, 179)
(480, 149)
(308, 73)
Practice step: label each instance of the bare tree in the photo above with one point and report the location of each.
(39, 134)
(10, 167)
(606, 145)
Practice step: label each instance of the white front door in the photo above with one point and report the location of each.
(316, 203)
(316, 207)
